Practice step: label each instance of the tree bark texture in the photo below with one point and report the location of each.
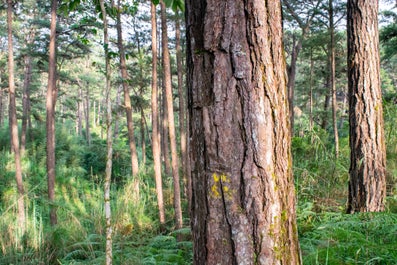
(50, 110)
(14, 123)
(367, 184)
(127, 99)
(155, 122)
(170, 115)
(243, 201)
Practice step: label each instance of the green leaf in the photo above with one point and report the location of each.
(156, 2)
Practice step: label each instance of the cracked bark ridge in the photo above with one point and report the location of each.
(243, 201)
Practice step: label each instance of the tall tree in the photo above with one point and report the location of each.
(126, 90)
(182, 116)
(304, 23)
(170, 115)
(50, 109)
(332, 75)
(155, 121)
(243, 201)
(13, 122)
(109, 139)
(367, 184)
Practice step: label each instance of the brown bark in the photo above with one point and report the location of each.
(165, 150)
(14, 123)
(170, 115)
(367, 184)
(182, 115)
(26, 101)
(155, 122)
(50, 109)
(332, 76)
(243, 201)
(127, 100)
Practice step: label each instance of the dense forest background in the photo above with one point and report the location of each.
(91, 73)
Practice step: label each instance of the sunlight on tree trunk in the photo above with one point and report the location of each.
(14, 125)
(170, 115)
(50, 120)
(155, 122)
(109, 140)
(127, 104)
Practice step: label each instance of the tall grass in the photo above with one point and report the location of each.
(79, 237)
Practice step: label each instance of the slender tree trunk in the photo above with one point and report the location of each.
(26, 101)
(1, 106)
(14, 123)
(367, 184)
(79, 125)
(170, 114)
(332, 76)
(127, 100)
(324, 122)
(243, 201)
(311, 122)
(155, 122)
(165, 134)
(117, 119)
(109, 140)
(87, 115)
(182, 118)
(143, 140)
(50, 119)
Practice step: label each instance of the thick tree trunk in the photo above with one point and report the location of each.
(367, 184)
(14, 124)
(243, 201)
(50, 108)
(127, 100)
(170, 115)
(155, 122)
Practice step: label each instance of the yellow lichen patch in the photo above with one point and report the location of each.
(219, 185)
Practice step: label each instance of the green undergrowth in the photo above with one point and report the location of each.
(327, 235)
(337, 238)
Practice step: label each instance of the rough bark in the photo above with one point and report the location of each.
(170, 116)
(50, 110)
(243, 201)
(14, 123)
(367, 184)
(127, 99)
(155, 122)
